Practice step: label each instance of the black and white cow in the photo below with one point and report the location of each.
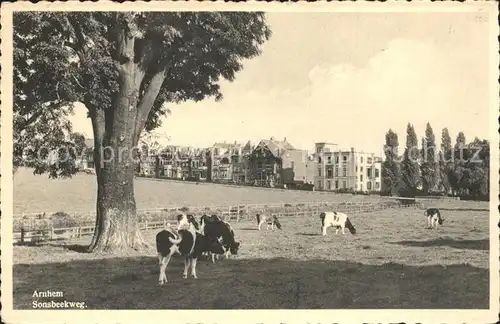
(183, 222)
(269, 220)
(208, 219)
(188, 243)
(216, 228)
(336, 219)
(433, 217)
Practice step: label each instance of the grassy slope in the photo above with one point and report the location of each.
(393, 262)
(38, 193)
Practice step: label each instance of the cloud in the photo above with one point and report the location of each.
(408, 81)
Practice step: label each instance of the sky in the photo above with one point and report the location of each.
(346, 78)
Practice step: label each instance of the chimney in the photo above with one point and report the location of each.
(234, 142)
(272, 138)
(284, 140)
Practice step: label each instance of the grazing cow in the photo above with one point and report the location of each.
(433, 217)
(183, 222)
(336, 219)
(269, 220)
(187, 243)
(215, 228)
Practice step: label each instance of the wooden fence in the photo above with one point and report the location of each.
(35, 228)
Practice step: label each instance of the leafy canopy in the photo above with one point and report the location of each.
(65, 57)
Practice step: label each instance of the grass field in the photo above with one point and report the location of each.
(33, 194)
(392, 262)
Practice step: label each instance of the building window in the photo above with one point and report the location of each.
(344, 158)
(361, 159)
(319, 159)
(361, 178)
(329, 185)
(329, 160)
(336, 184)
(319, 172)
(344, 172)
(369, 186)
(293, 164)
(377, 185)
(344, 184)
(319, 185)
(361, 169)
(356, 168)
(329, 173)
(368, 172)
(376, 173)
(369, 160)
(337, 172)
(337, 159)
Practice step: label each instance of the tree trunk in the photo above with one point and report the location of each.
(117, 226)
(116, 134)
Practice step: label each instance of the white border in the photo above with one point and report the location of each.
(246, 316)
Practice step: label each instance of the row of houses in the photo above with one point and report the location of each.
(270, 163)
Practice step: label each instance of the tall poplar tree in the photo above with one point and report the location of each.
(429, 166)
(410, 172)
(390, 166)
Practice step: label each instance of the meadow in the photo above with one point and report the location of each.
(393, 261)
(33, 194)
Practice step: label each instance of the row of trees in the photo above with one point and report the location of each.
(461, 169)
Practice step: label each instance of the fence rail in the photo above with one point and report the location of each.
(34, 228)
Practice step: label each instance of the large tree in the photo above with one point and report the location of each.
(410, 172)
(390, 166)
(124, 67)
(429, 166)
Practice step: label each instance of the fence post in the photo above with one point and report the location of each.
(22, 234)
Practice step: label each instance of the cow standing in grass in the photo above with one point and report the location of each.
(337, 220)
(269, 220)
(433, 218)
(167, 244)
(215, 228)
(188, 243)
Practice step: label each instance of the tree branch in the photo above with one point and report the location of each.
(147, 101)
(80, 45)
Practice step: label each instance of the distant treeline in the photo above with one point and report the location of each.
(461, 170)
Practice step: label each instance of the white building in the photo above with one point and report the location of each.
(346, 169)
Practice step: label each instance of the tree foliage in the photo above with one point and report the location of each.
(462, 169)
(62, 58)
(445, 161)
(390, 166)
(429, 165)
(409, 166)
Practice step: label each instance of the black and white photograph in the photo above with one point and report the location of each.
(339, 158)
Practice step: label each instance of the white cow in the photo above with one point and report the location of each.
(336, 219)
